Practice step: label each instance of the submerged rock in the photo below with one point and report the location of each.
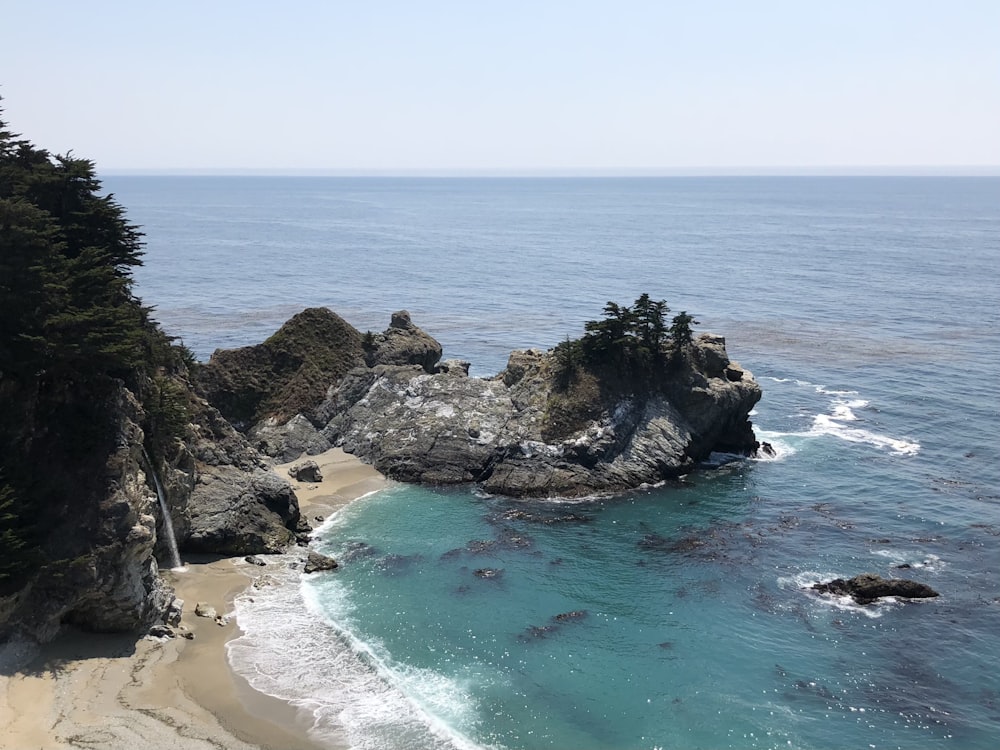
(868, 587)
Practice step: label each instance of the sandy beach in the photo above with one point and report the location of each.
(117, 692)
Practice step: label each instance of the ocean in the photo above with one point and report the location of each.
(668, 617)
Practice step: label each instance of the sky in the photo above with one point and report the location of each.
(475, 86)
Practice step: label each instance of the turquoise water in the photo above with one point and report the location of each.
(868, 310)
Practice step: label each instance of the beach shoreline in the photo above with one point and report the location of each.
(120, 691)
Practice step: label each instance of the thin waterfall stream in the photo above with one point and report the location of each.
(168, 524)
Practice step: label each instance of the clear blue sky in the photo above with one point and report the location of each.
(474, 85)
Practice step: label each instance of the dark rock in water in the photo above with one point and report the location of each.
(533, 632)
(305, 471)
(358, 550)
(518, 514)
(489, 573)
(398, 564)
(766, 449)
(316, 562)
(254, 560)
(577, 614)
(868, 587)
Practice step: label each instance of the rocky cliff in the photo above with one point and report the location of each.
(511, 433)
(529, 430)
(98, 532)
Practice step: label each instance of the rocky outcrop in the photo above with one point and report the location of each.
(507, 433)
(869, 587)
(402, 343)
(236, 506)
(252, 386)
(287, 374)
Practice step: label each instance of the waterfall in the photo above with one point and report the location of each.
(168, 524)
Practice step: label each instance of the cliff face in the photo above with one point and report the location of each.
(99, 534)
(95, 562)
(512, 433)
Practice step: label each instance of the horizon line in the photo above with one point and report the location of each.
(955, 170)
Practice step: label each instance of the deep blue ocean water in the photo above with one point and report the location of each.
(868, 309)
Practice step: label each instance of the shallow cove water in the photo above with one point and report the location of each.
(866, 307)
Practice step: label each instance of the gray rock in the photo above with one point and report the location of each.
(234, 512)
(287, 441)
(403, 343)
(160, 631)
(174, 612)
(202, 609)
(254, 560)
(305, 471)
(316, 562)
(454, 366)
(449, 428)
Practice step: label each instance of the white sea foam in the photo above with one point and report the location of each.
(841, 422)
(830, 424)
(291, 651)
(805, 580)
(779, 444)
(911, 558)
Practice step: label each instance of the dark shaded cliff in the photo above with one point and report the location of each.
(89, 387)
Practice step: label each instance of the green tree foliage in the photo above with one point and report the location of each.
(630, 338)
(630, 344)
(71, 330)
(680, 329)
(66, 304)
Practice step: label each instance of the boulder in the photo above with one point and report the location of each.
(305, 471)
(403, 343)
(232, 512)
(202, 609)
(286, 441)
(868, 587)
(316, 562)
(174, 612)
(160, 631)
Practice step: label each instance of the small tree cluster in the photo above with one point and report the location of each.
(635, 340)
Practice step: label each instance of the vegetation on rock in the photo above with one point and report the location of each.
(287, 374)
(631, 350)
